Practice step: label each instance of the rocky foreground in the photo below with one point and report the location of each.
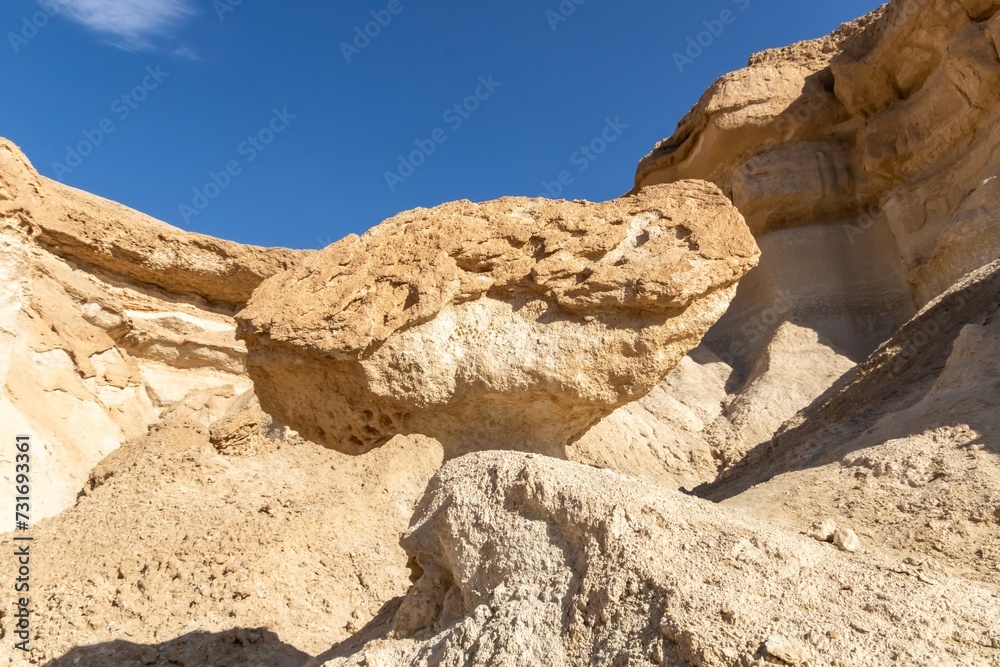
(546, 433)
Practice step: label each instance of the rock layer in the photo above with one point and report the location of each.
(516, 323)
(117, 241)
(108, 321)
(904, 448)
(862, 161)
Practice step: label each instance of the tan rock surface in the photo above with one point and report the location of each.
(516, 323)
(124, 243)
(863, 162)
(867, 532)
(663, 437)
(524, 560)
(106, 325)
(181, 555)
(706, 416)
(904, 450)
(850, 244)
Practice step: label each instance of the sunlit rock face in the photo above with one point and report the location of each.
(515, 324)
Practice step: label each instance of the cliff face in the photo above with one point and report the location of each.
(110, 320)
(864, 163)
(165, 498)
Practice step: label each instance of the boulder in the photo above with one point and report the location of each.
(526, 560)
(516, 323)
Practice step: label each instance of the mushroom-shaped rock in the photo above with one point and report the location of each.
(515, 324)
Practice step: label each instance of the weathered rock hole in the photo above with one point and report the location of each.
(415, 570)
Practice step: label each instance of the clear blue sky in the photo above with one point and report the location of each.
(201, 78)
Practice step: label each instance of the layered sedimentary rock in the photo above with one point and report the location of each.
(516, 323)
(108, 320)
(864, 162)
(905, 448)
(524, 560)
(113, 239)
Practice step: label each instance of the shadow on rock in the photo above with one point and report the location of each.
(936, 371)
(244, 647)
(379, 627)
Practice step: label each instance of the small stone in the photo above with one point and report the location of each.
(823, 531)
(859, 627)
(728, 615)
(784, 650)
(846, 539)
(149, 656)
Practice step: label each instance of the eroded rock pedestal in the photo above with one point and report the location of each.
(517, 323)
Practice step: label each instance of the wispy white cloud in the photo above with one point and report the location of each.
(134, 25)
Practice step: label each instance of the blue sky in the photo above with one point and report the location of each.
(284, 123)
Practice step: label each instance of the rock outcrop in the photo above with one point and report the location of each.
(109, 320)
(525, 560)
(852, 245)
(864, 162)
(837, 429)
(905, 448)
(706, 416)
(177, 553)
(516, 324)
(117, 241)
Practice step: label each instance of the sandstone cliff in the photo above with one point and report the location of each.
(863, 162)
(108, 320)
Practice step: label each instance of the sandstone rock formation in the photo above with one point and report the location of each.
(516, 323)
(524, 560)
(905, 449)
(108, 319)
(179, 554)
(706, 416)
(837, 428)
(850, 249)
(863, 162)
